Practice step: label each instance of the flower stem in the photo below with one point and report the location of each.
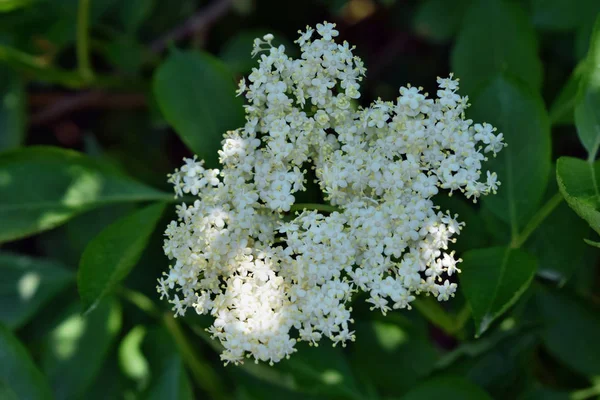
(314, 206)
(201, 370)
(83, 40)
(203, 374)
(536, 220)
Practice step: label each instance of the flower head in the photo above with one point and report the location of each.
(270, 282)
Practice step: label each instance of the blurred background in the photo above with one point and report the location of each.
(125, 83)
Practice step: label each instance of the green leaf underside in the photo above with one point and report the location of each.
(42, 187)
(196, 94)
(493, 279)
(579, 183)
(18, 372)
(27, 284)
(495, 38)
(587, 109)
(524, 165)
(110, 256)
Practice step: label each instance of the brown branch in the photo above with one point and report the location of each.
(197, 22)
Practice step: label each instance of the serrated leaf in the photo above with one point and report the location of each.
(587, 109)
(43, 187)
(18, 371)
(75, 350)
(196, 94)
(448, 388)
(571, 331)
(496, 37)
(110, 256)
(492, 281)
(578, 182)
(524, 165)
(27, 284)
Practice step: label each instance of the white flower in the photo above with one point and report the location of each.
(327, 30)
(271, 277)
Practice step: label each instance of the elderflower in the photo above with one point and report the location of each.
(272, 273)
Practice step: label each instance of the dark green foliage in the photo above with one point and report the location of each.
(84, 159)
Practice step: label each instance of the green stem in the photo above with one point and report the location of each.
(314, 206)
(201, 370)
(203, 374)
(43, 71)
(536, 220)
(583, 394)
(462, 318)
(83, 41)
(140, 301)
(434, 313)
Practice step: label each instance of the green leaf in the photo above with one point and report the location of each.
(561, 111)
(17, 370)
(169, 378)
(378, 348)
(571, 331)
(109, 382)
(6, 392)
(524, 165)
(133, 13)
(75, 350)
(43, 187)
(587, 109)
(448, 388)
(322, 371)
(12, 109)
(493, 279)
(557, 244)
(11, 5)
(196, 94)
(578, 182)
(27, 284)
(439, 20)
(110, 256)
(495, 38)
(132, 361)
(561, 15)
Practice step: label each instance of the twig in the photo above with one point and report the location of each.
(197, 22)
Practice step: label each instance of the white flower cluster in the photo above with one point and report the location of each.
(272, 272)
